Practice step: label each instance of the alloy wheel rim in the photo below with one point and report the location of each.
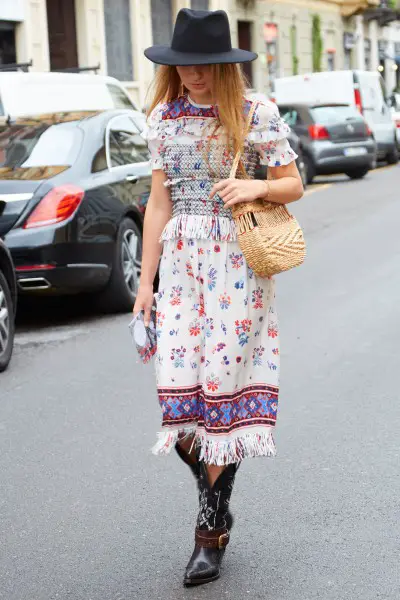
(131, 260)
(4, 323)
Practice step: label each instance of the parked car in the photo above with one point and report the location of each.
(364, 90)
(294, 141)
(30, 94)
(395, 108)
(334, 138)
(74, 189)
(8, 303)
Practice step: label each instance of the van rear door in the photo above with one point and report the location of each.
(331, 87)
(375, 110)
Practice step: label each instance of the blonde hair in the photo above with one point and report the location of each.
(228, 88)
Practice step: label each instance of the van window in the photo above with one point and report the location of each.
(330, 115)
(120, 99)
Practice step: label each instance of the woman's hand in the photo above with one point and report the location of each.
(144, 301)
(233, 191)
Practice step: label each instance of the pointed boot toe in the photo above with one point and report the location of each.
(204, 565)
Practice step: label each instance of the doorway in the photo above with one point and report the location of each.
(244, 37)
(62, 34)
(7, 43)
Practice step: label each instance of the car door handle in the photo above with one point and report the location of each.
(132, 178)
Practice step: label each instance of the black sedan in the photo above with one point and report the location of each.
(8, 303)
(73, 191)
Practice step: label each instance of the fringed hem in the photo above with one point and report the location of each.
(200, 227)
(215, 450)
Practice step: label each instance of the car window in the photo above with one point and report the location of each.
(290, 116)
(39, 145)
(119, 98)
(125, 144)
(330, 115)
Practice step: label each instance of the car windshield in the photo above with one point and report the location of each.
(38, 145)
(330, 115)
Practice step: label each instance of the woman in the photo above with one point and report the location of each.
(217, 360)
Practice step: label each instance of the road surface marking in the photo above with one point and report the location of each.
(317, 188)
(382, 168)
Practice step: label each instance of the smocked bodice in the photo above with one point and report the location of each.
(182, 143)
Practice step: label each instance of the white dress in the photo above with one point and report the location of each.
(217, 361)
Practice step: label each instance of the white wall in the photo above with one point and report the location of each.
(12, 10)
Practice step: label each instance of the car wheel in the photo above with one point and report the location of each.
(309, 168)
(393, 156)
(6, 323)
(301, 165)
(121, 290)
(357, 173)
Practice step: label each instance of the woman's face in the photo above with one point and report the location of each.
(197, 79)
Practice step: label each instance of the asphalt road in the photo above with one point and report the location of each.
(86, 511)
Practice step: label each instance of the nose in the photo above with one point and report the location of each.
(197, 72)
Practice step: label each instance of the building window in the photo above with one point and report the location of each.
(244, 36)
(271, 46)
(347, 60)
(117, 21)
(367, 52)
(161, 22)
(331, 61)
(7, 43)
(200, 5)
(349, 42)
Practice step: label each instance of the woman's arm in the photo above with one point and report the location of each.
(158, 213)
(285, 187)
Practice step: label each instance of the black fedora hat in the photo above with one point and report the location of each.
(201, 37)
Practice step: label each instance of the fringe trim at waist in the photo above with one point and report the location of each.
(204, 227)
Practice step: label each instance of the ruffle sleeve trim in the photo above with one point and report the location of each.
(269, 134)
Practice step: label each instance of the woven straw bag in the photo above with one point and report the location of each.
(270, 237)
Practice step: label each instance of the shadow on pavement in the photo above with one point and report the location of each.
(43, 312)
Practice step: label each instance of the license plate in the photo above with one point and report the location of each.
(355, 151)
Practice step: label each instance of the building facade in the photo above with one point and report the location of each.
(290, 36)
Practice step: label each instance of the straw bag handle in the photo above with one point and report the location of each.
(238, 156)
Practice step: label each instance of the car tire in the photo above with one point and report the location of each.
(357, 173)
(301, 165)
(121, 290)
(393, 156)
(7, 326)
(309, 168)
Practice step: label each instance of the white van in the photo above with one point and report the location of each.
(23, 94)
(362, 89)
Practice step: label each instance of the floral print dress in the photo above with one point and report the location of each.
(217, 361)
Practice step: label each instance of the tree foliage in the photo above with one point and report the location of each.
(317, 43)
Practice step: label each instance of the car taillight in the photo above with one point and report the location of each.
(318, 132)
(398, 123)
(58, 205)
(369, 131)
(357, 100)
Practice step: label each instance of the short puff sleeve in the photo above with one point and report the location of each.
(269, 135)
(155, 137)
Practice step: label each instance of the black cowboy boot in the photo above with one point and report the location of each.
(212, 533)
(190, 460)
(194, 465)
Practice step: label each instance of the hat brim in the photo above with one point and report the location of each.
(164, 55)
